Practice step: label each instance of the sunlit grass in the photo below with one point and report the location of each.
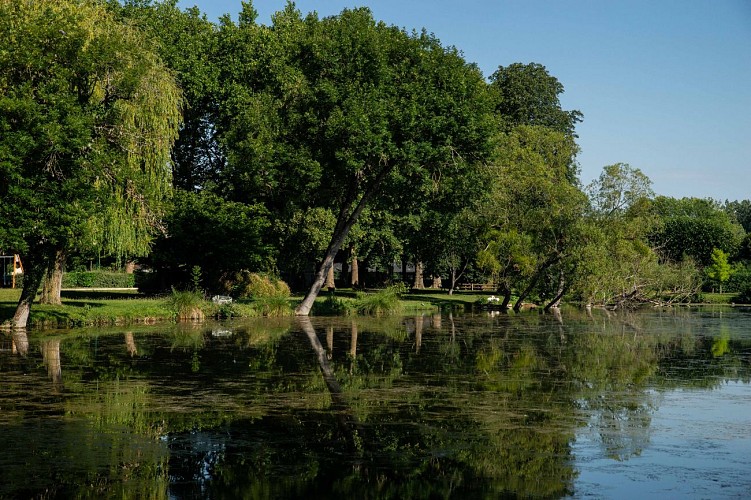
(718, 298)
(99, 308)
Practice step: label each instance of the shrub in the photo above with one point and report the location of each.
(740, 280)
(744, 295)
(334, 306)
(258, 286)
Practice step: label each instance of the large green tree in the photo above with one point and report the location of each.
(88, 115)
(337, 112)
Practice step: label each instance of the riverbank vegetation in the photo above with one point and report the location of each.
(321, 154)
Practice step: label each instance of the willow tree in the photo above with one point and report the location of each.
(533, 210)
(87, 118)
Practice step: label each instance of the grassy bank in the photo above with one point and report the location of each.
(114, 307)
(94, 307)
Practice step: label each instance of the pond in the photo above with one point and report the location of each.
(653, 404)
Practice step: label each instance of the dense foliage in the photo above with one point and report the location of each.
(317, 140)
(88, 115)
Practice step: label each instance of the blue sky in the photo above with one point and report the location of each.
(664, 85)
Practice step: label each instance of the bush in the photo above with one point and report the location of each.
(258, 286)
(744, 295)
(98, 279)
(740, 280)
(334, 306)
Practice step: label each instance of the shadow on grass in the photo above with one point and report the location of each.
(100, 294)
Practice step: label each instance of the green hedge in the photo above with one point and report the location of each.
(98, 279)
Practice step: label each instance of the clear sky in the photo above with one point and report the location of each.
(664, 85)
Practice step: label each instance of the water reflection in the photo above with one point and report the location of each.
(431, 405)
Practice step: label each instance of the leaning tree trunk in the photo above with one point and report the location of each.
(559, 294)
(33, 274)
(53, 281)
(344, 223)
(545, 266)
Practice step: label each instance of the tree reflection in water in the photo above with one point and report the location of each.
(437, 405)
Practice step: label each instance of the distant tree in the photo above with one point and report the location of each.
(526, 94)
(187, 43)
(532, 209)
(619, 264)
(693, 227)
(88, 115)
(720, 269)
(619, 187)
(741, 210)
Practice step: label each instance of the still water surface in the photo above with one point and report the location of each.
(651, 404)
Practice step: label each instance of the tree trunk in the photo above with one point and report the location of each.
(303, 309)
(33, 274)
(559, 294)
(419, 283)
(355, 279)
(437, 282)
(345, 276)
(545, 266)
(53, 281)
(130, 267)
(506, 299)
(453, 281)
(404, 268)
(330, 278)
(344, 223)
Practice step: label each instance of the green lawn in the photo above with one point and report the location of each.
(89, 308)
(92, 307)
(718, 298)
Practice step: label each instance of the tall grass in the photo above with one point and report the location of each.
(186, 305)
(382, 302)
(274, 305)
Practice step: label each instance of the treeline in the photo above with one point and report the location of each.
(205, 150)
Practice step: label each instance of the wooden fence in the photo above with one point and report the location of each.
(476, 287)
